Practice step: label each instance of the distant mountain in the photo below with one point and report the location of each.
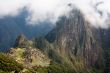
(11, 27)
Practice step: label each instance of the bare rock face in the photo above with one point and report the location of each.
(73, 38)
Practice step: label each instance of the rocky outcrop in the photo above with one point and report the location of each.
(22, 41)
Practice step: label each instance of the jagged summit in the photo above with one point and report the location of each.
(22, 42)
(74, 37)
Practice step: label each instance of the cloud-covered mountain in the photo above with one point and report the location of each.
(94, 11)
(74, 32)
(73, 39)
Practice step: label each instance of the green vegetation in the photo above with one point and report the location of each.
(8, 64)
(58, 64)
(61, 68)
(40, 69)
(18, 54)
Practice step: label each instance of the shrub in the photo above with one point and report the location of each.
(8, 64)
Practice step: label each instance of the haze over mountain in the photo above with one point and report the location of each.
(94, 11)
(35, 17)
(55, 36)
(73, 42)
(12, 27)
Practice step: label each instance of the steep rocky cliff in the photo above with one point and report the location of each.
(73, 38)
(105, 34)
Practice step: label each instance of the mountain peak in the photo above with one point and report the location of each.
(74, 38)
(22, 42)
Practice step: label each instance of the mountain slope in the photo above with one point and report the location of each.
(74, 38)
(32, 58)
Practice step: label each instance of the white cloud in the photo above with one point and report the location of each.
(11, 7)
(41, 10)
(91, 9)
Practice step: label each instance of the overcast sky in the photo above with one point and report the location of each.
(95, 11)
